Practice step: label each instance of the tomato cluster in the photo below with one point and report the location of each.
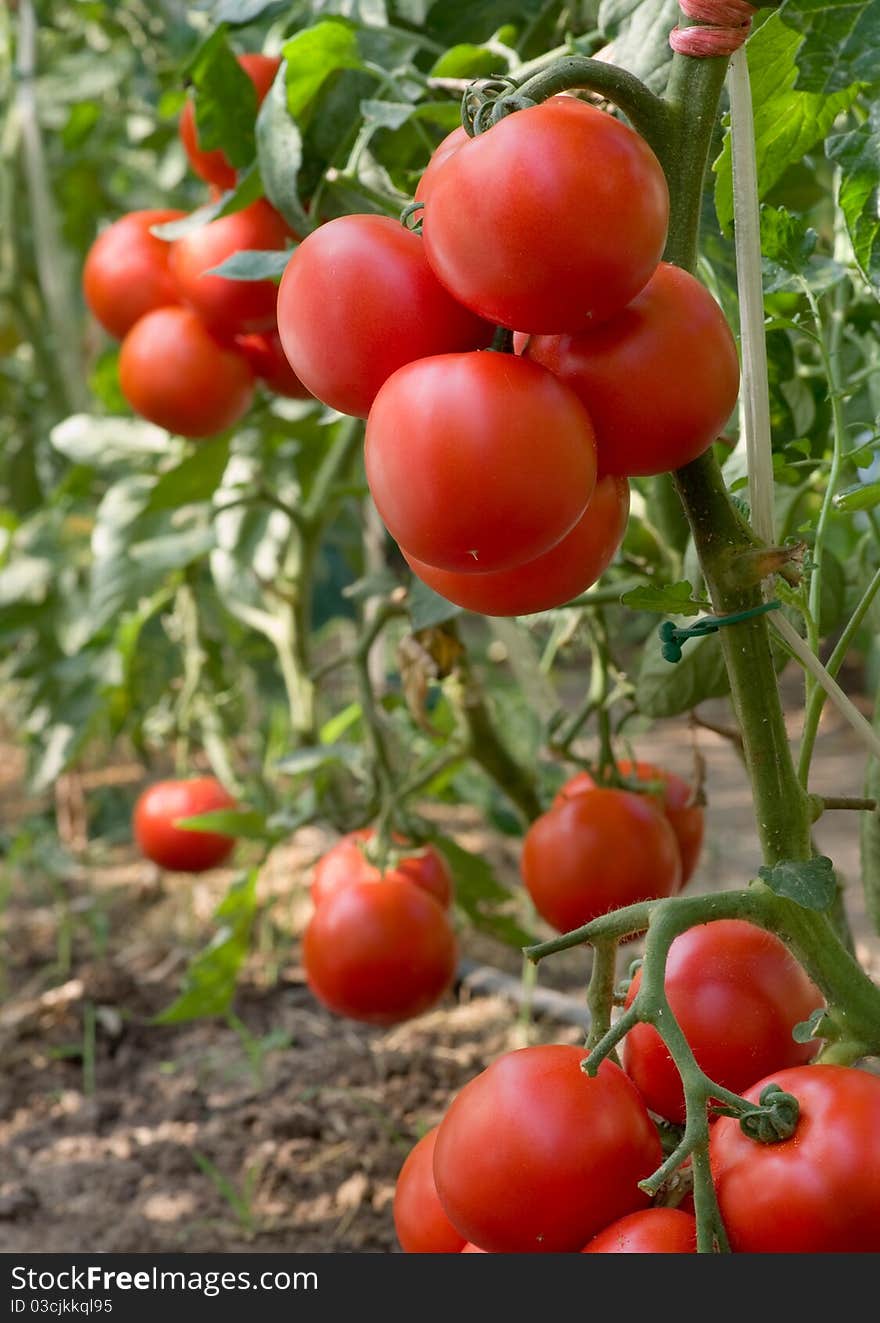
(193, 344)
(158, 810)
(379, 946)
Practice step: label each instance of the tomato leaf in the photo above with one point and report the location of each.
(279, 153)
(810, 883)
(427, 608)
(229, 822)
(195, 479)
(841, 38)
(468, 61)
(209, 982)
(664, 690)
(639, 37)
(252, 264)
(857, 154)
(225, 101)
(310, 760)
(480, 895)
(239, 12)
(674, 599)
(805, 1031)
(314, 55)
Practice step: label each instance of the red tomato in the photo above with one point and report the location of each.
(599, 852)
(173, 372)
(213, 166)
(182, 851)
(346, 862)
(533, 1156)
(685, 819)
(673, 341)
(266, 357)
(551, 220)
(126, 272)
(422, 1226)
(230, 307)
(362, 285)
(475, 464)
(737, 993)
(649, 1231)
(448, 147)
(381, 951)
(817, 1192)
(473, 1249)
(552, 579)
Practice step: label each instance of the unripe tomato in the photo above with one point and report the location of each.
(126, 272)
(357, 301)
(649, 1231)
(550, 221)
(213, 166)
(569, 568)
(175, 373)
(599, 852)
(269, 364)
(448, 147)
(346, 862)
(659, 378)
(422, 1226)
(737, 993)
(229, 307)
(175, 848)
(686, 819)
(534, 1156)
(476, 464)
(380, 951)
(817, 1192)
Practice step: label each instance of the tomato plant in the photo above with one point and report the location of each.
(126, 271)
(347, 862)
(649, 1231)
(213, 166)
(157, 812)
(422, 1226)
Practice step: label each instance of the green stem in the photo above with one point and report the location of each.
(600, 997)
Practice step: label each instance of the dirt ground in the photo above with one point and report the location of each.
(118, 1135)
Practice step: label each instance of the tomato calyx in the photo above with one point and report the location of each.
(773, 1120)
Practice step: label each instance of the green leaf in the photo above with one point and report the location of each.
(209, 982)
(332, 730)
(810, 883)
(195, 479)
(664, 689)
(310, 760)
(387, 114)
(857, 154)
(671, 600)
(314, 55)
(468, 61)
(26, 579)
(639, 35)
(805, 1031)
(427, 608)
(481, 896)
(100, 442)
(788, 248)
(787, 122)
(861, 496)
(228, 822)
(841, 40)
(455, 21)
(239, 12)
(225, 101)
(253, 264)
(279, 153)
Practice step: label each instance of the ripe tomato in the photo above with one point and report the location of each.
(549, 221)
(550, 580)
(213, 166)
(346, 862)
(673, 326)
(448, 147)
(475, 464)
(362, 285)
(599, 852)
(817, 1192)
(473, 1249)
(737, 993)
(126, 272)
(533, 1156)
(229, 307)
(422, 1226)
(174, 372)
(649, 1231)
(182, 851)
(380, 951)
(267, 360)
(685, 819)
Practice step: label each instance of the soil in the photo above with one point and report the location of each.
(120, 1135)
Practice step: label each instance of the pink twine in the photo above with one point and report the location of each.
(728, 26)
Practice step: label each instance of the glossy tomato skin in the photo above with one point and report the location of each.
(126, 271)
(817, 1192)
(379, 951)
(659, 378)
(533, 1156)
(649, 1231)
(550, 221)
(448, 147)
(357, 301)
(422, 1226)
(552, 579)
(175, 373)
(229, 307)
(269, 365)
(175, 848)
(599, 852)
(477, 465)
(737, 993)
(686, 819)
(346, 862)
(213, 166)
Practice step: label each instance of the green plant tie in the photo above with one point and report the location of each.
(673, 636)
